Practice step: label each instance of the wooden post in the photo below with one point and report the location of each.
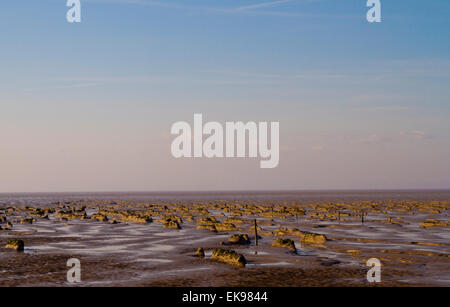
(256, 234)
(362, 217)
(339, 215)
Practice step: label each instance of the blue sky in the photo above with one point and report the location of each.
(360, 105)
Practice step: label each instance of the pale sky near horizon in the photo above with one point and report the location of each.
(89, 106)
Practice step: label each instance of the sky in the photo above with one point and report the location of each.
(89, 106)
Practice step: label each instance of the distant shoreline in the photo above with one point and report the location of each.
(239, 191)
(303, 195)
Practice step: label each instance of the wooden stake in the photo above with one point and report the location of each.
(256, 234)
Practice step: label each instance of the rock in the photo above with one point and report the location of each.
(18, 245)
(287, 231)
(239, 239)
(172, 221)
(287, 243)
(234, 220)
(313, 238)
(172, 224)
(39, 213)
(354, 252)
(225, 227)
(137, 219)
(172, 218)
(200, 252)
(306, 237)
(99, 217)
(65, 215)
(229, 257)
(80, 210)
(207, 227)
(2, 219)
(208, 220)
(27, 221)
(189, 218)
(50, 210)
(433, 223)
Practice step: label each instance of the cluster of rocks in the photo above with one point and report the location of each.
(172, 222)
(305, 237)
(212, 224)
(434, 223)
(4, 223)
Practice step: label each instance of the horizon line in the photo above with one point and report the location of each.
(249, 191)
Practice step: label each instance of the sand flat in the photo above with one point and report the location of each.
(134, 252)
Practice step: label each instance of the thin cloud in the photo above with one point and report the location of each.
(255, 9)
(390, 108)
(306, 75)
(262, 5)
(60, 87)
(416, 134)
(374, 138)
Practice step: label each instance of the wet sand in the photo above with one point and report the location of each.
(138, 250)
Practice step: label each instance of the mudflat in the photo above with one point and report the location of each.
(304, 238)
